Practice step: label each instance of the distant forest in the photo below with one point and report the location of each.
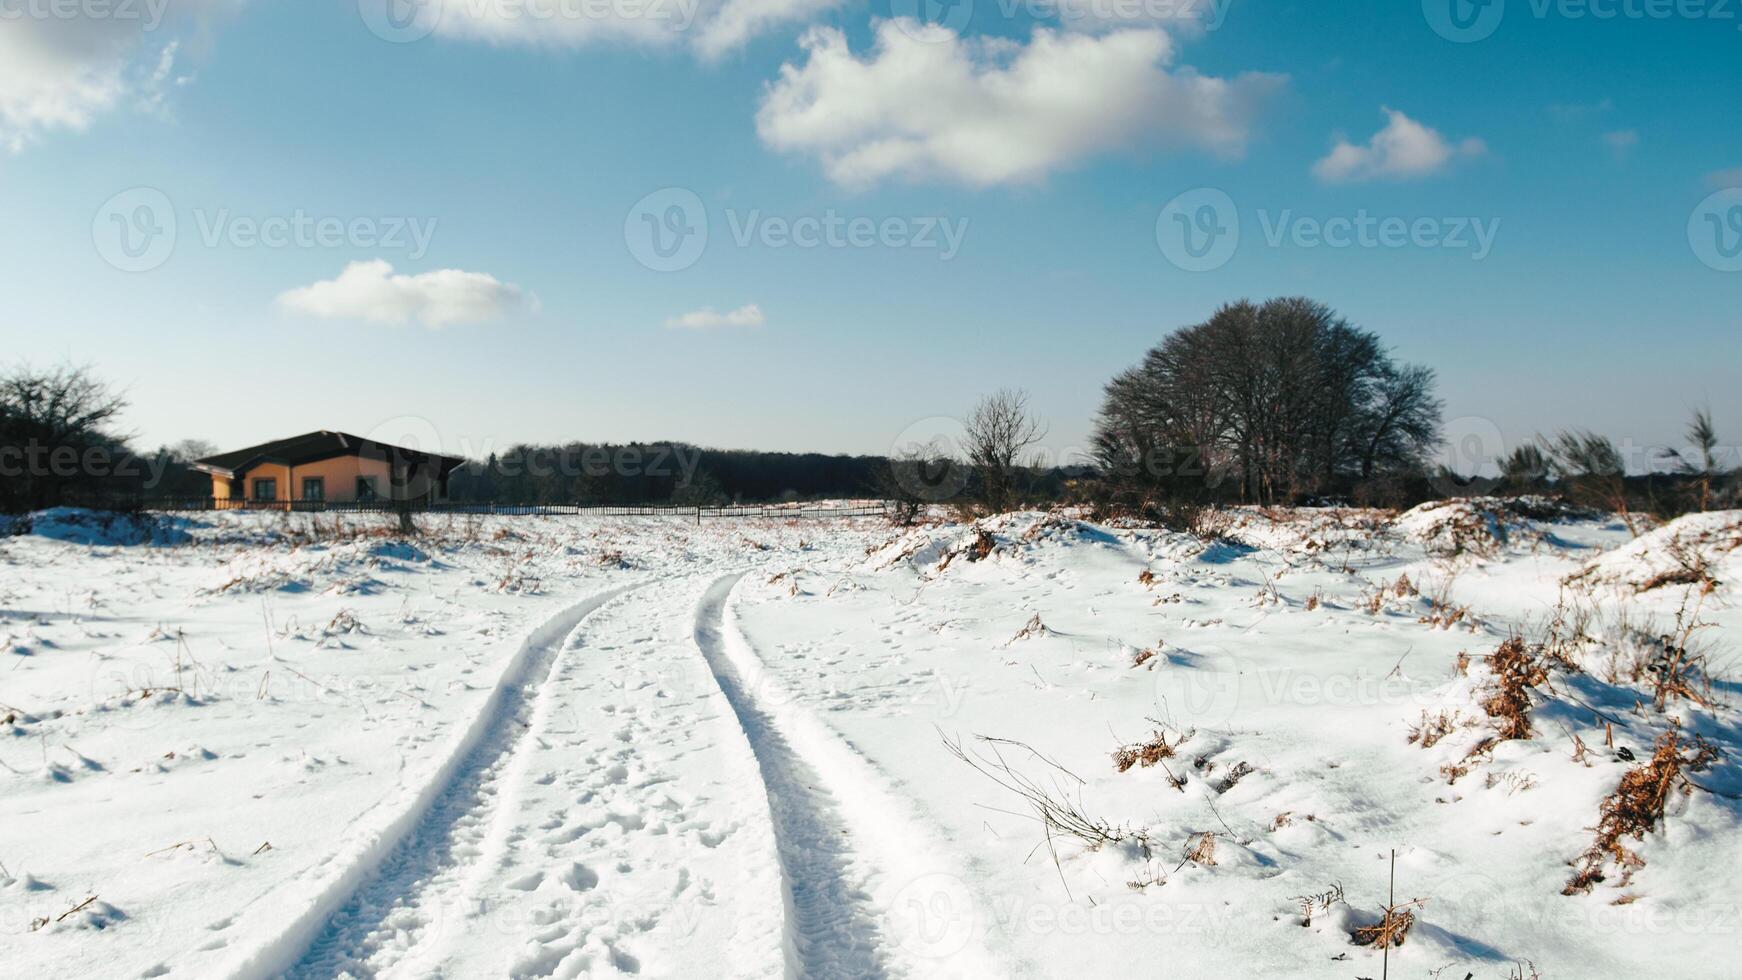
(1280, 402)
(658, 473)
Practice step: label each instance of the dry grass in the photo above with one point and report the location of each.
(1240, 771)
(1637, 805)
(1057, 805)
(1428, 732)
(1148, 753)
(1517, 670)
(1201, 849)
(1034, 627)
(1321, 902)
(1392, 928)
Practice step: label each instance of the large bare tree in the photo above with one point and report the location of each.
(996, 436)
(1285, 397)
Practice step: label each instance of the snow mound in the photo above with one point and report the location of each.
(343, 568)
(1693, 549)
(1021, 534)
(1481, 525)
(76, 525)
(1303, 530)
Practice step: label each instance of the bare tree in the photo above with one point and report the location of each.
(1703, 462)
(1525, 468)
(1593, 470)
(1286, 395)
(916, 475)
(55, 434)
(996, 436)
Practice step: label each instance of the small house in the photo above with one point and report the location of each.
(322, 467)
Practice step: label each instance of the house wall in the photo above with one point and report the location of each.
(339, 473)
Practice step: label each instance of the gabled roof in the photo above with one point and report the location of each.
(315, 446)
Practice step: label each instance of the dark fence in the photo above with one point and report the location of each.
(817, 509)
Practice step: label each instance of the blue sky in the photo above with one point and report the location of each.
(1584, 145)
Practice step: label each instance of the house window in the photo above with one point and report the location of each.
(265, 489)
(314, 488)
(365, 488)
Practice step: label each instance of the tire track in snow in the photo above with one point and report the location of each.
(872, 888)
(833, 925)
(390, 903)
(625, 841)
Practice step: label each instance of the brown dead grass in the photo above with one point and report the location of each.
(1148, 753)
(1637, 805)
(1517, 671)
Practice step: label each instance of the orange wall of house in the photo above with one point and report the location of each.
(340, 475)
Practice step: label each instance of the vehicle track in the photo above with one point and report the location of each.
(835, 926)
(385, 908)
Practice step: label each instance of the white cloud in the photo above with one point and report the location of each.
(711, 28)
(736, 22)
(370, 291)
(714, 28)
(706, 319)
(1180, 17)
(1403, 149)
(566, 23)
(927, 103)
(61, 73)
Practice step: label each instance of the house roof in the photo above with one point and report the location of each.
(315, 446)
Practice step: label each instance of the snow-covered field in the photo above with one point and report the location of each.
(257, 745)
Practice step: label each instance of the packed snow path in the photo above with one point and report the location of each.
(612, 822)
(835, 926)
(645, 799)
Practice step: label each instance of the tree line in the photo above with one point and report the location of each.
(1280, 402)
